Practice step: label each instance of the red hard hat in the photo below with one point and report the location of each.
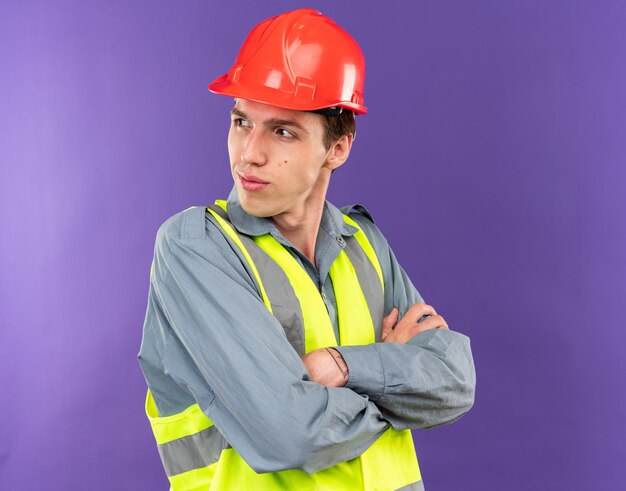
(298, 60)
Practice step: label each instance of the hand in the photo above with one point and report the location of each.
(326, 366)
(409, 326)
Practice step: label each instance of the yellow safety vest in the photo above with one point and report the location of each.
(196, 456)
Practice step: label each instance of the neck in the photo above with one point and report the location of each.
(301, 224)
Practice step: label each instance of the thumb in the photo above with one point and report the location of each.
(389, 321)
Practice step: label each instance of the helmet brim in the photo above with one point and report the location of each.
(278, 98)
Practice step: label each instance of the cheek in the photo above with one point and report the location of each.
(305, 177)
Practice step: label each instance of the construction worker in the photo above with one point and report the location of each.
(284, 347)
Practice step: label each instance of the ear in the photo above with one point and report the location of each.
(338, 153)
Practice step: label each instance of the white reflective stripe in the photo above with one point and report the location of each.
(193, 451)
(367, 247)
(285, 305)
(282, 297)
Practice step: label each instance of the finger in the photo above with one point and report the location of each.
(419, 310)
(434, 322)
(389, 321)
(391, 318)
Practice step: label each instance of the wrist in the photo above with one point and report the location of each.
(342, 366)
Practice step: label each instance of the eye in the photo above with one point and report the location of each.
(241, 122)
(285, 133)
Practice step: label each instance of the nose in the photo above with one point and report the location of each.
(253, 151)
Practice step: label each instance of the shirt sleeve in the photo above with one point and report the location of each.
(428, 381)
(208, 330)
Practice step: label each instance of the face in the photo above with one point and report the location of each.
(277, 157)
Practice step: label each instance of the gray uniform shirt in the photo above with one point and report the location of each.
(208, 338)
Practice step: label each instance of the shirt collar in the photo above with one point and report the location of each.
(332, 220)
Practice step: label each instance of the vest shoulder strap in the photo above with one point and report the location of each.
(276, 289)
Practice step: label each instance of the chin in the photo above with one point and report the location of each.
(259, 210)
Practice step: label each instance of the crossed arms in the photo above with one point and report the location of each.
(208, 332)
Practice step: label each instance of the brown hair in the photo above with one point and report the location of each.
(337, 126)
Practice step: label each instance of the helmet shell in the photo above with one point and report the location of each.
(298, 60)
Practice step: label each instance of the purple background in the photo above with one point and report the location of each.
(492, 158)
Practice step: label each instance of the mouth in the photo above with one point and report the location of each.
(250, 182)
(251, 178)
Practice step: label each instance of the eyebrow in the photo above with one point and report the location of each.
(272, 122)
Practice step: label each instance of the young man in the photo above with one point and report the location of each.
(272, 347)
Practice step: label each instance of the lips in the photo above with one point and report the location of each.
(251, 183)
(251, 178)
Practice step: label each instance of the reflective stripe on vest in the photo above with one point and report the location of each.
(194, 453)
